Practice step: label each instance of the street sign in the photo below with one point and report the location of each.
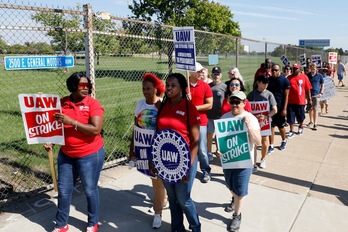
(37, 62)
(314, 42)
(184, 47)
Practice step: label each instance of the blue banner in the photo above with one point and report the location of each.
(142, 149)
(37, 62)
(170, 155)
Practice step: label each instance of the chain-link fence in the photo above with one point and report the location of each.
(115, 53)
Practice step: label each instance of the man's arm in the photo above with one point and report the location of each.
(208, 104)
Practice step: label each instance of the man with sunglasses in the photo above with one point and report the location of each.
(300, 89)
(278, 85)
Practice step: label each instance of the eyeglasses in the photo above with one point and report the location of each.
(216, 74)
(275, 70)
(229, 73)
(83, 85)
(235, 102)
(234, 85)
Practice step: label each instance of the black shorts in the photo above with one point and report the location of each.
(295, 112)
(278, 120)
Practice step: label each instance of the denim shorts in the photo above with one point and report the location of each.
(237, 180)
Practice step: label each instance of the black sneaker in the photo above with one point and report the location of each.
(230, 206)
(234, 224)
(206, 178)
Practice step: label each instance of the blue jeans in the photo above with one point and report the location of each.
(203, 150)
(88, 168)
(179, 197)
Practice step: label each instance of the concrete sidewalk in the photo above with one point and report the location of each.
(304, 188)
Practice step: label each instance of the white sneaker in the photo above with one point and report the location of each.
(263, 164)
(157, 221)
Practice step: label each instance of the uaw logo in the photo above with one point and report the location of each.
(170, 155)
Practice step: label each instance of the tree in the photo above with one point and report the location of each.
(202, 14)
(65, 41)
(62, 40)
(3, 46)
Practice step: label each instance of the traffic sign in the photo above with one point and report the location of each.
(314, 42)
(37, 62)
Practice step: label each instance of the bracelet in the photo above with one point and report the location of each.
(76, 125)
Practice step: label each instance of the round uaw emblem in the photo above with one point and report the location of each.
(170, 155)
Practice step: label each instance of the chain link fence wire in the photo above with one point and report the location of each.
(115, 53)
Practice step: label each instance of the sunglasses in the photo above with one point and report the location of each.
(275, 70)
(235, 102)
(83, 85)
(234, 85)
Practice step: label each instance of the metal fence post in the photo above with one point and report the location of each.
(237, 51)
(89, 49)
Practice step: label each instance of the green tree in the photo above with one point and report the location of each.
(202, 14)
(3, 46)
(63, 40)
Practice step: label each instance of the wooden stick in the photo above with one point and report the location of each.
(53, 169)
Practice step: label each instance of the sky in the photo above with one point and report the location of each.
(284, 22)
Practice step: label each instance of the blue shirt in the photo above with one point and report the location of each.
(316, 81)
(278, 86)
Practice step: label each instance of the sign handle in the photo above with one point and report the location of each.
(53, 169)
(188, 83)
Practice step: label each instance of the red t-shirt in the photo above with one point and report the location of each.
(199, 93)
(78, 144)
(226, 107)
(262, 71)
(299, 85)
(175, 117)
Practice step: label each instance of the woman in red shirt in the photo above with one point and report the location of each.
(235, 84)
(179, 114)
(83, 153)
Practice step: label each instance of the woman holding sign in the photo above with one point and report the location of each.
(83, 153)
(237, 179)
(145, 117)
(179, 114)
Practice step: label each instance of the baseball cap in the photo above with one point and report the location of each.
(262, 78)
(296, 66)
(199, 67)
(239, 94)
(216, 69)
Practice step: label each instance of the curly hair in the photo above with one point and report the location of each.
(157, 83)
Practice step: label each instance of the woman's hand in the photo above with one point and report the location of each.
(48, 146)
(63, 119)
(186, 179)
(153, 171)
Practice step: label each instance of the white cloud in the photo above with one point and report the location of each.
(270, 16)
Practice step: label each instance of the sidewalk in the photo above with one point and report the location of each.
(304, 188)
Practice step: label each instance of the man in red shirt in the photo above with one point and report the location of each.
(300, 87)
(202, 97)
(265, 69)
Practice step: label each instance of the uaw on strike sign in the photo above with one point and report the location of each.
(233, 143)
(38, 117)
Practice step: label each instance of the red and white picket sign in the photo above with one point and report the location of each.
(38, 117)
